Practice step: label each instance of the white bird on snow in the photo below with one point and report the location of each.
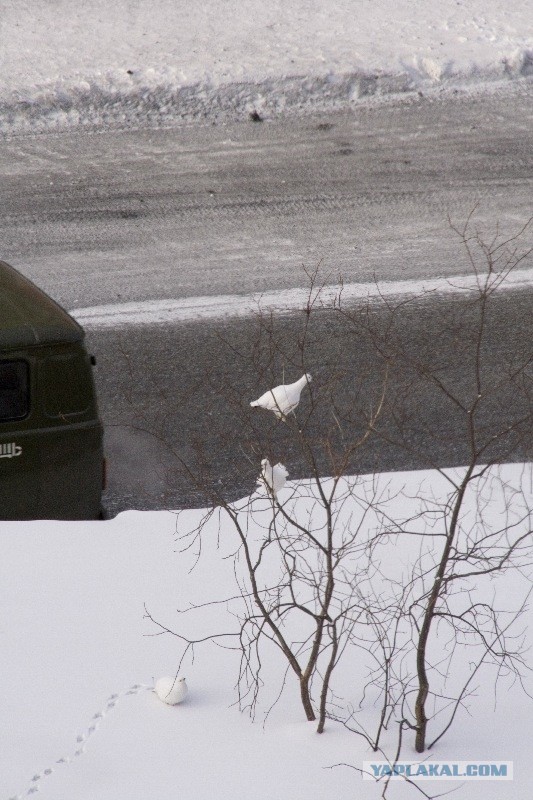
(272, 477)
(171, 690)
(282, 399)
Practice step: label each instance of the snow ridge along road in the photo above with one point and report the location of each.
(164, 312)
(125, 64)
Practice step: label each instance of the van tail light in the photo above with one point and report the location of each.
(104, 473)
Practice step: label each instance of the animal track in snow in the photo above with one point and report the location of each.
(81, 739)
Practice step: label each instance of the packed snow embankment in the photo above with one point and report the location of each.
(125, 98)
(286, 301)
(141, 63)
(80, 654)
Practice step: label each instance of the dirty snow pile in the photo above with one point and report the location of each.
(99, 63)
(84, 605)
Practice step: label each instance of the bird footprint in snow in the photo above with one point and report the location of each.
(81, 739)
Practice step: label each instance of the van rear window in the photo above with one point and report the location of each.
(14, 390)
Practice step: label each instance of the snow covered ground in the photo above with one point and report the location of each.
(79, 659)
(124, 63)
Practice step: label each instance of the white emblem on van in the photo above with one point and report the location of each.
(10, 450)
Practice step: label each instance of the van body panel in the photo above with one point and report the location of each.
(28, 316)
(51, 436)
(51, 473)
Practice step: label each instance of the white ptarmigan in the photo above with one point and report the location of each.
(171, 690)
(272, 477)
(282, 399)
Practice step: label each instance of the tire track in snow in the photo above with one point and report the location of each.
(235, 208)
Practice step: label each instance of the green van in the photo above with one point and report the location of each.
(51, 452)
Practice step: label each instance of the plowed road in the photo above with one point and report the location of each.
(140, 216)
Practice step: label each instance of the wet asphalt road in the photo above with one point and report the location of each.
(180, 396)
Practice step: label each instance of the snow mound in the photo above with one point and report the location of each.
(79, 652)
(146, 99)
(99, 64)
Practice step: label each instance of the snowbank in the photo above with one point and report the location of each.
(97, 63)
(285, 301)
(80, 657)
